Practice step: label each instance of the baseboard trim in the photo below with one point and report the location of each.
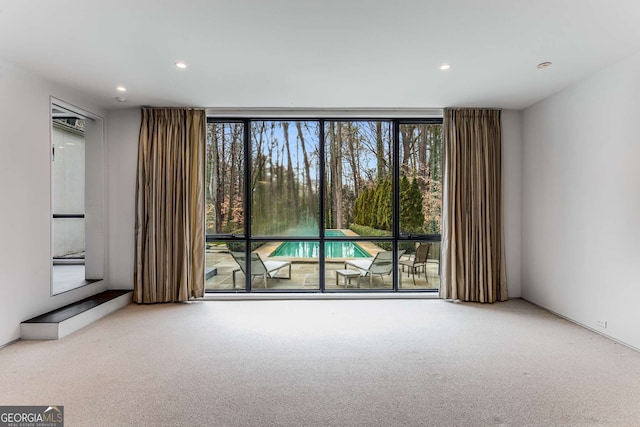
(9, 343)
(254, 296)
(582, 325)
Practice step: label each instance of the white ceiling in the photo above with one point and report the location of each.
(318, 53)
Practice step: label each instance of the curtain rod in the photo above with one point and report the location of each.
(325, 112)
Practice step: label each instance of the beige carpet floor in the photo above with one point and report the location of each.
(328, 363)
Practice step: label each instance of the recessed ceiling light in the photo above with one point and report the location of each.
(181, 65)
(445, 67)
(121, 89)
(542, 65)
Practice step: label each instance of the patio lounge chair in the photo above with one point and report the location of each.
(414, 262)
(265, 269)
(381, 264)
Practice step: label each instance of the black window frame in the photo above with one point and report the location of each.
(396, 238)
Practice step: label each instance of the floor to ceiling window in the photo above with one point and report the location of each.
(323, 205)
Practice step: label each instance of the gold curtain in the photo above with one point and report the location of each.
(169, 228)
(473, 266)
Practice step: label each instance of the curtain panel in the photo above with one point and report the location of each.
(473, 267)
(169, 226)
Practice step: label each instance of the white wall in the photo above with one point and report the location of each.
(25, 214)
(581, 202)
(122, 156)
(512, 197)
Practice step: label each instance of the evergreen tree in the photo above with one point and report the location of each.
(411, 216)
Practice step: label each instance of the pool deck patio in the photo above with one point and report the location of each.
(305, 277)
(305, 274)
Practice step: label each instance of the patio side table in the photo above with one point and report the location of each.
(348, 275)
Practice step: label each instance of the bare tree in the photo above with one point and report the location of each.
(380, 153)
(212, 184)
(353, 144)
(236, 141)
(290, 173)
(337, 177)
(307, 167)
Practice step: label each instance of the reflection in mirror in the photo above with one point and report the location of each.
(76, 155)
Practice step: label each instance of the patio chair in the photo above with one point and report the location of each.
(381, 264)
(414, 262)
(265, 269)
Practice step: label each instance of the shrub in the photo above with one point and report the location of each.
(374, 207)
(363, 230)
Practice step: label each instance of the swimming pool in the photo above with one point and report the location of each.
(312, 249)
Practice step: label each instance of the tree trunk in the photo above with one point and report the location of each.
(353, 161)
(328, 178)
(380, 153)
(423, 142)
(232, 176)
(337, 178)
(307, 170)
(405, 166)
(291, 176)
(213, 180)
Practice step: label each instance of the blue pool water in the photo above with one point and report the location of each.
(312, 249)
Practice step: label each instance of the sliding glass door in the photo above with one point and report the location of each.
(322, 205)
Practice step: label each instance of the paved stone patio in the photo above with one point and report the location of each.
(304, 276)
